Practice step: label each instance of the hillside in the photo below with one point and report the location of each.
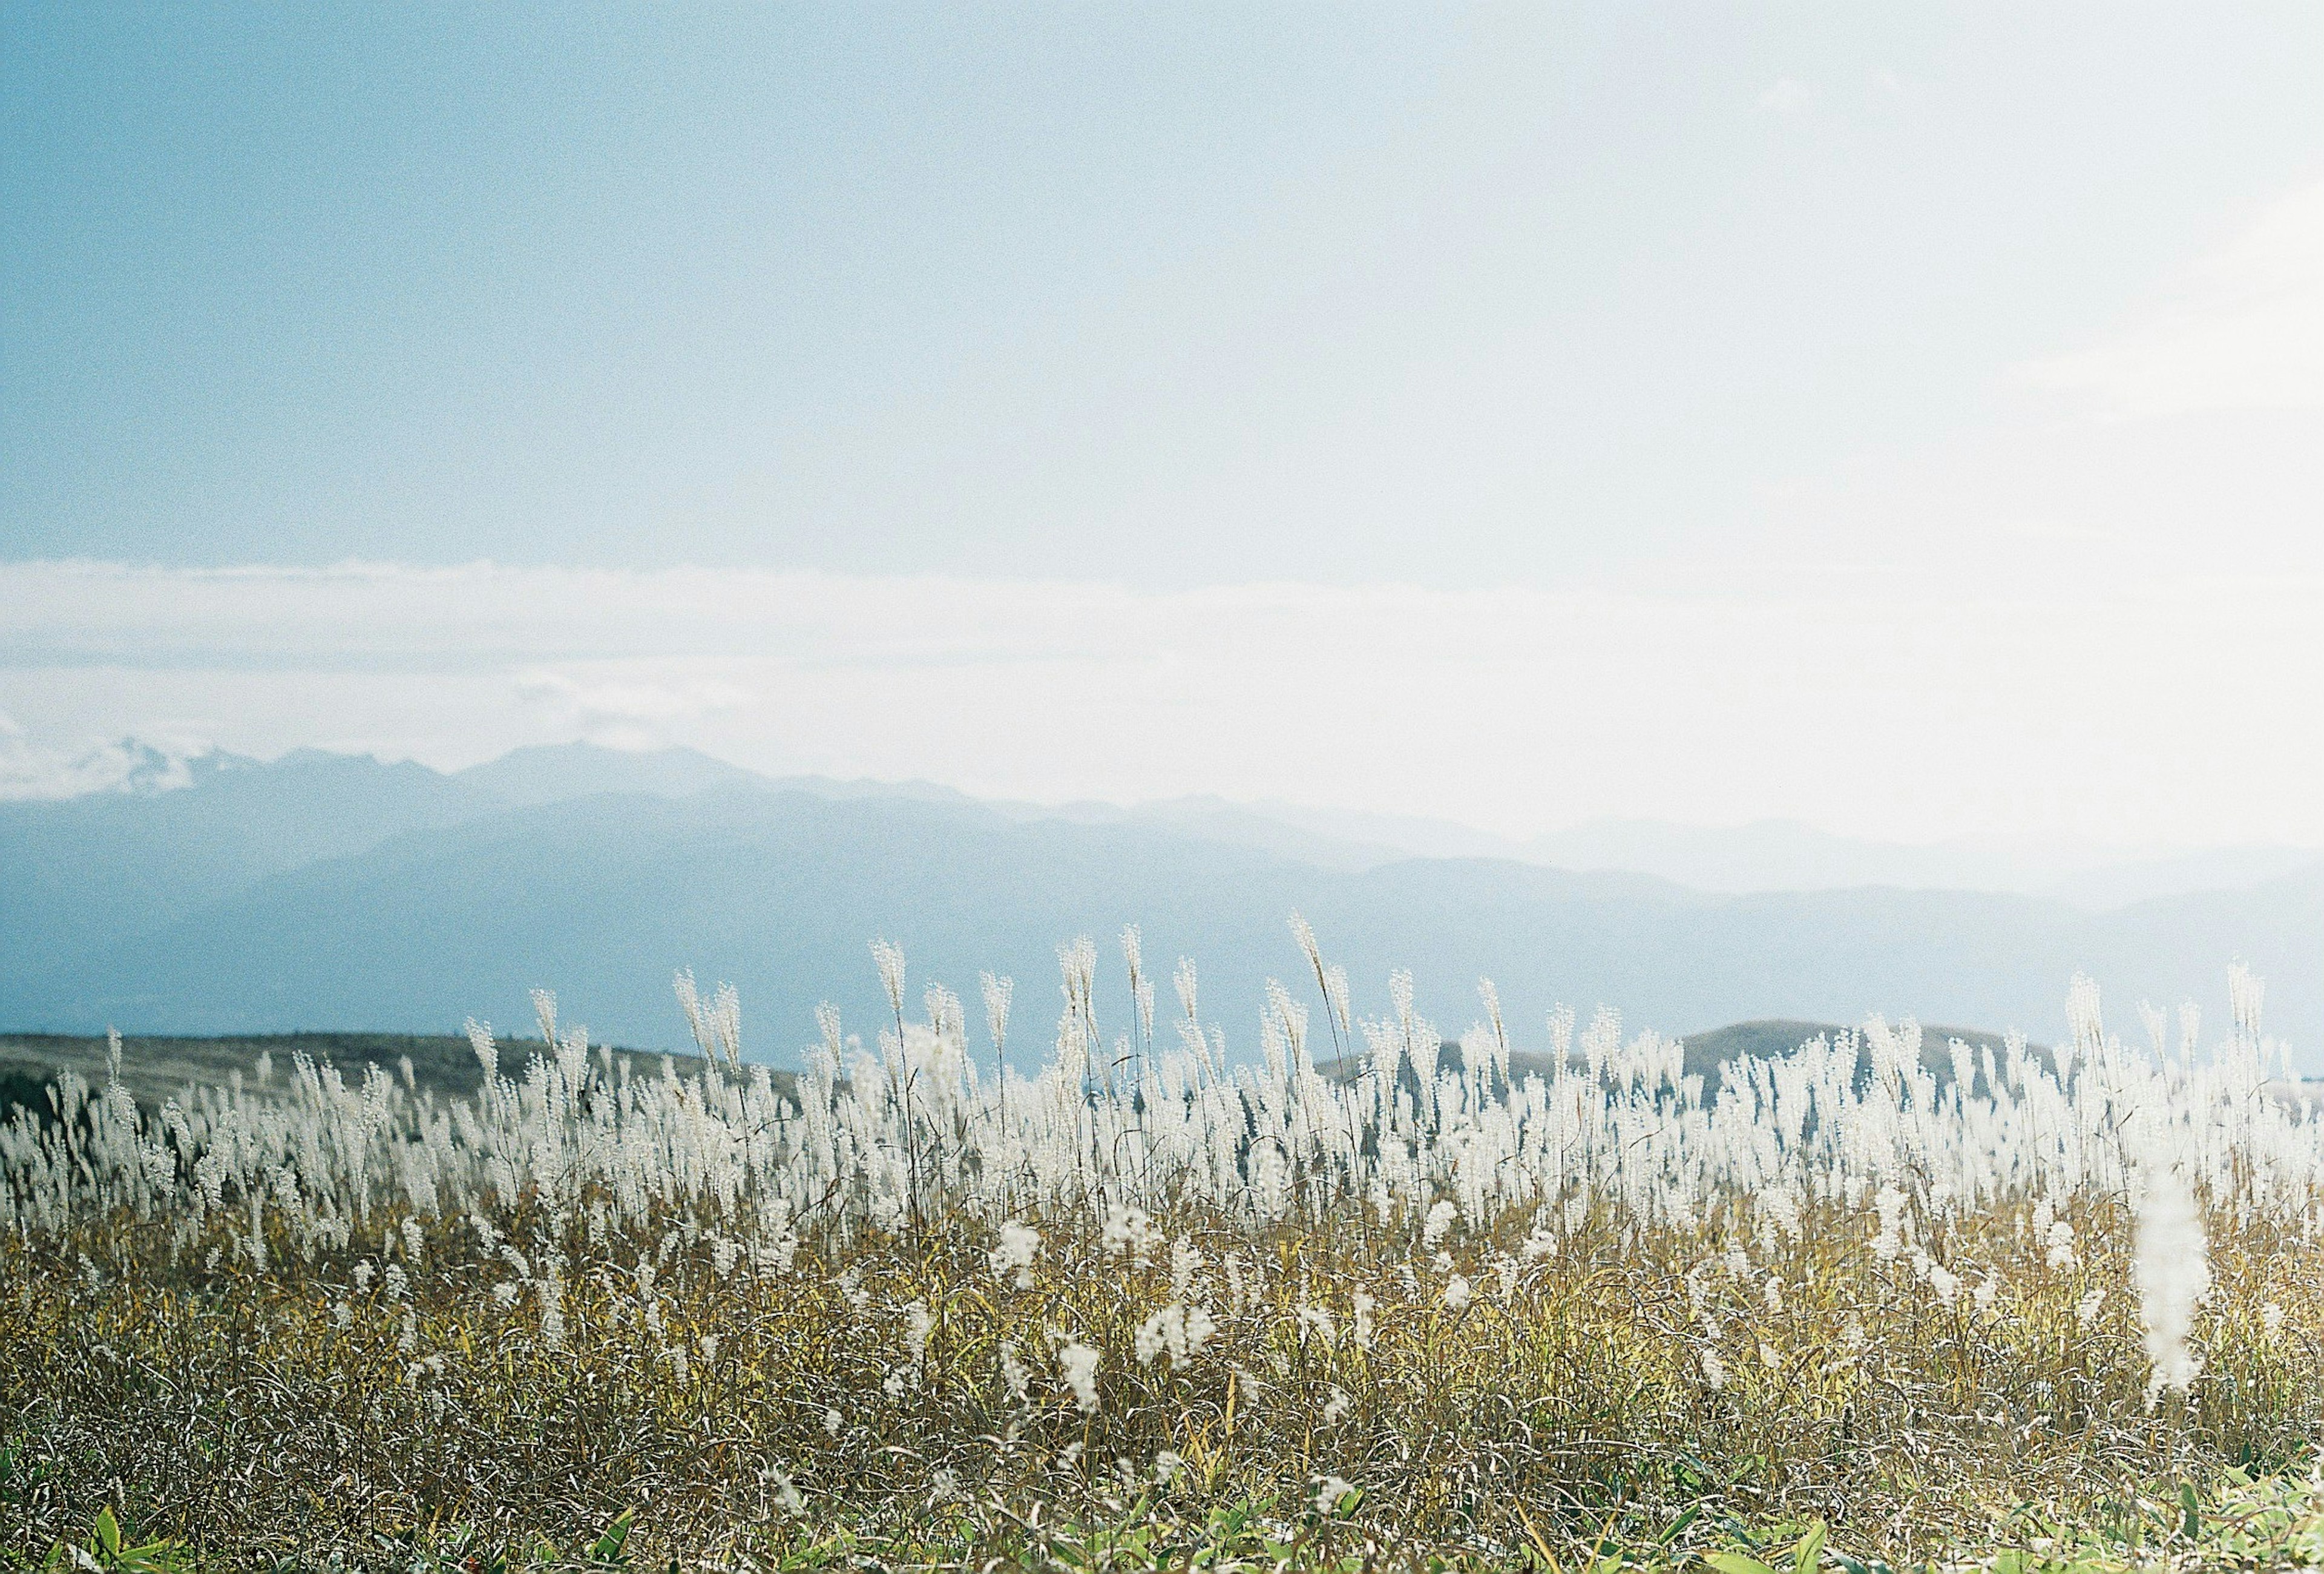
(157, 1068)
(326, 893)
(1707, 1055)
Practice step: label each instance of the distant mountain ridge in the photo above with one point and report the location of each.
(1762, 855)
(555, 772)
(327, 891)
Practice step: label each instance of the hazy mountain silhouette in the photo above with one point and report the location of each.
(79, 874)
(323, 891)
(559, 773)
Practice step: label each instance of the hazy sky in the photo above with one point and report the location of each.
(1907, 419)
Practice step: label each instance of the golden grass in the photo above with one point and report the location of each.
(761, 1414)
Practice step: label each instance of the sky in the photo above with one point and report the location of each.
(1906, 420)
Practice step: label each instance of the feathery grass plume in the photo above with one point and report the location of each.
(998, 992)
(888, 957)
(717, 1027)
(2170, 1266)
(860, 1275)
(1077, 1368)
(1013, 1257)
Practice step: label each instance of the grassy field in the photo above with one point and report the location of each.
(1152, 1310)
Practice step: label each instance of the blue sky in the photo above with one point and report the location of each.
(1206, 294)
(1750, 322)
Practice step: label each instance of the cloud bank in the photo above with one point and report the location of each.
(2243, 330)
(2167, 714)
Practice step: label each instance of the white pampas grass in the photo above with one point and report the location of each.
(1077, 1365)
(1013, 1257)
(2172, 1270)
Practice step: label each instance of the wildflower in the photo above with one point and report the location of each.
(2271, 1317)
(1439, 1221)
(1714, 1370)
(1457, 1294)
(1332, 1495)
(1336, 1405)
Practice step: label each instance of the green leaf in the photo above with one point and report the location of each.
(608, 1550)
(1678, 1526)
(107, 1535)
(1737, 1563)
(2192, 1520)
(1810, 1550)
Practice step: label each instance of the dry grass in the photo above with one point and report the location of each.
(289, 1413)
(349, 1323)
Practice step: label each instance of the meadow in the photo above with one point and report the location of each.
(1375, 1297)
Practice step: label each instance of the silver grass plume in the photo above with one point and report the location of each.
(2170, 1267)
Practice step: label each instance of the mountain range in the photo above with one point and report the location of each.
(323, 891)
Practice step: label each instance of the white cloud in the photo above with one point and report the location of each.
(2040, 706)
(29, 769)
(628, 705)
(1789, 98)
(2243, 330)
